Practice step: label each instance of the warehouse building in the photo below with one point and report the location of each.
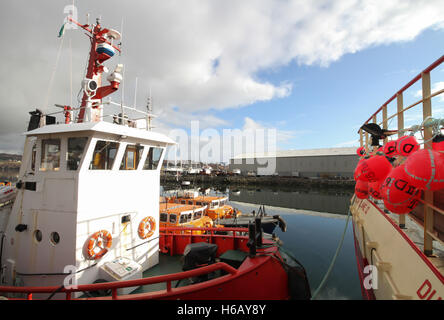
(312, 163)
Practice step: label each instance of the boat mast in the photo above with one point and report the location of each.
(101, 50)
(149, 107)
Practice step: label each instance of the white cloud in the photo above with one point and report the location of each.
(282, 136)
(253, 137)
(197, 55)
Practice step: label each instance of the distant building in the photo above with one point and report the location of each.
(329, 162)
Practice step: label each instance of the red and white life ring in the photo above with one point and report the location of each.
(147, 227)
(98, 244)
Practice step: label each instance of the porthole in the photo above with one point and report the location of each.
(38, 235)
(54, 238)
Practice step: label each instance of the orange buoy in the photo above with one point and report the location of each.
(402, 208)
(406, 145)
(390, 148)
(374, 189)
(98, 244)
(374, 169)
(425, 169)
(361, 151)
(358, 170)
(397, 189)
(361, 189)
(405, 206)
(147, 227)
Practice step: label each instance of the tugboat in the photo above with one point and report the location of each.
(86, 217)
(184, 215)
(398, 208)
(217, 206)
(224, 214)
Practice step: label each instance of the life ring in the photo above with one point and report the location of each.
(98, 244)
(147, 227)
(208, 224)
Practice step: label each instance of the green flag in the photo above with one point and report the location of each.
(62, 30)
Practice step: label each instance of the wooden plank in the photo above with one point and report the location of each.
(400, 106)
(428, 195)
(374, 148)
(366, 143)
(384, 120)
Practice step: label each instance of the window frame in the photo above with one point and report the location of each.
(84, 152)
(146, 154)
(92, 148)
(138, 156)
(171, 215)
(164, 214)
(41, 154)
(197, 214)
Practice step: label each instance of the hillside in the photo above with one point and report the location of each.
(8, 157)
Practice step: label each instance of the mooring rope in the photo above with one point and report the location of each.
(330, 268)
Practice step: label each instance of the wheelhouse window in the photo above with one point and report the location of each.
(197, 214)
(153, 158)
(185, 217)
(33, 156)
(163, 217)
(131, 158)
(50, 157)
(173, 218)
(76, 146)
(104, 155)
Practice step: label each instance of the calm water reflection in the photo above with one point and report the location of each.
(315, 200)
(312, 237)
(313, 240)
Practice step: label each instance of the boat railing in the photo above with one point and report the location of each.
(381, 118)
(114, 286)
(119, 116)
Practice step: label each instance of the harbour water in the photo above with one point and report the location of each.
(315, 223)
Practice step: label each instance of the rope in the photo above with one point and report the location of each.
(48, 93)
(330, 268)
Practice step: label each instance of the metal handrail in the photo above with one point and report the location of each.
(408, 85)
(123, 284)
(414, 104)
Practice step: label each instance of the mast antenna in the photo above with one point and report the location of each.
(135, 95)
(149, 107)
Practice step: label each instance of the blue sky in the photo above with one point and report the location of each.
(328, 104)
